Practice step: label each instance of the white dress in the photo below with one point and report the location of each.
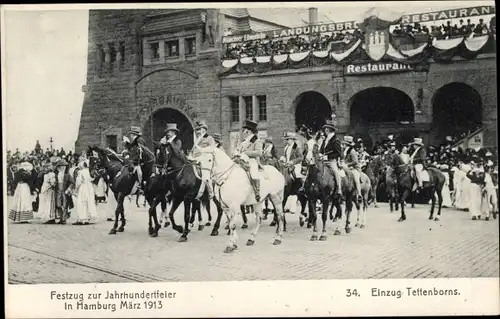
(47, 207)
(475, 199)
(22, 207)
(100, 189)
(85, 207)
(462, 201)
(446, 191)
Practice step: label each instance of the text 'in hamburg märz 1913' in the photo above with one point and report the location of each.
(112, 300)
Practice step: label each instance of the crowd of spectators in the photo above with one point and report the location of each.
(326, 41)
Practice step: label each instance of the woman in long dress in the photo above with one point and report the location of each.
(463, 197)
(22, 208)
(85, 206)
(100, 187)
(477, 182)
(446, 188)
(47, 207)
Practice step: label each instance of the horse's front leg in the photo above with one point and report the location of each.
(402, 200)
(258, 218)
(266, 208)
(349, 203)
(277, 201)
(433, 203)
(440, 204)
(215, 230)
(187, 215)
(324, 214)
(209, 209)
(175, 204)
(153, 232)
(122, 213)
(233, 237)
(374, 194)
(313, 217)
(243, 209)
(194, 208)
(303, 215)
(163, 216)
(117, 214)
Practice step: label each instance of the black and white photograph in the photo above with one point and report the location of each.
(249, 143)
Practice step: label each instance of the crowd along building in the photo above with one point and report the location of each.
(150, 67)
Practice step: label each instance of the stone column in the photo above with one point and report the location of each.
(118, 57)
(161, 50)
(255, 108)
(241, 102)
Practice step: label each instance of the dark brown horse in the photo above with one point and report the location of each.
(405, 181)
(375, 171)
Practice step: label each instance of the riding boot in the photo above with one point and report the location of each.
(256, 188)
(210, 189)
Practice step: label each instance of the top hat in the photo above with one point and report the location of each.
(201, 124)
(135, 130)
(171, 127)
(251, 125)
(329, 124)
(289, 135)
(348, 140)
(417, 141)
(217, 137)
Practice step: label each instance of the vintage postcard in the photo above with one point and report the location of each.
(250, 159)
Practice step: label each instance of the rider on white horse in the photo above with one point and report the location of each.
(417, 158)
(252, 148)
(203, 144)
(351, 162)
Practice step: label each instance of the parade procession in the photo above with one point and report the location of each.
(238, 133)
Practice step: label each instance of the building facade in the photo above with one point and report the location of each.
(152, 67)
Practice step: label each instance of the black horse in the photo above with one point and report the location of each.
(185, 184)
(405, 181)
(121, 179)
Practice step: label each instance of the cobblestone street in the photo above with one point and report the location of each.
(418, 248)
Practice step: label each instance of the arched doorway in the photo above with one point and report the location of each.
(456, 109)
(169, 115)
(378, 112)
(312, 109)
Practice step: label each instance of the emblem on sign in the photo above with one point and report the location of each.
(377, 44)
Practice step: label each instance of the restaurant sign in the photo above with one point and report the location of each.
(374, 68)
(448, 14)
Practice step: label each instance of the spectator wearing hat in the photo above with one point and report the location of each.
(477, 179)
(351, 161)
(418, 159)
(47, 206)
(310, 143)
(331, 151)
(22, 209)
(63, 185)
(251, 146)
(204, 143)
(445, 192)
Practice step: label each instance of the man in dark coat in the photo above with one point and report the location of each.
(331, 150)
(64, 184)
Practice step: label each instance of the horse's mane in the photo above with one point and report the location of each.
(178, 153)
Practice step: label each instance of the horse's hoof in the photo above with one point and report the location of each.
(436, 219)
(227, 227)
(208, 224)
(229, 249)
(348, 230)
(166, 224)
(265, 217)
(200, 227)
(309, 225)
(121, 229)
(112, 232)
(336, 232)
(109, 219)
(244, 226)
(250, 242)
(301, 223)
(362, 226)
(191, 225)
(357, 225)
(183, 239)
(431, 218)
(401, 219)
(323, 238)
(276, 242)
(150, 231)
(376, 206)
(179, 229)
(214, 233)
(272, 224)
(314, 238)
(154, 234)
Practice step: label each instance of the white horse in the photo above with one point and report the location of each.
(233, 189)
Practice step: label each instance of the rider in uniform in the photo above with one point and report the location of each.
(418, 158)
(293, 155)
(138, 141)
(252, 148)
(331, 151)
(351, 162)
(203, 142)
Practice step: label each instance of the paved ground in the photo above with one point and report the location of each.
(418, 248)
